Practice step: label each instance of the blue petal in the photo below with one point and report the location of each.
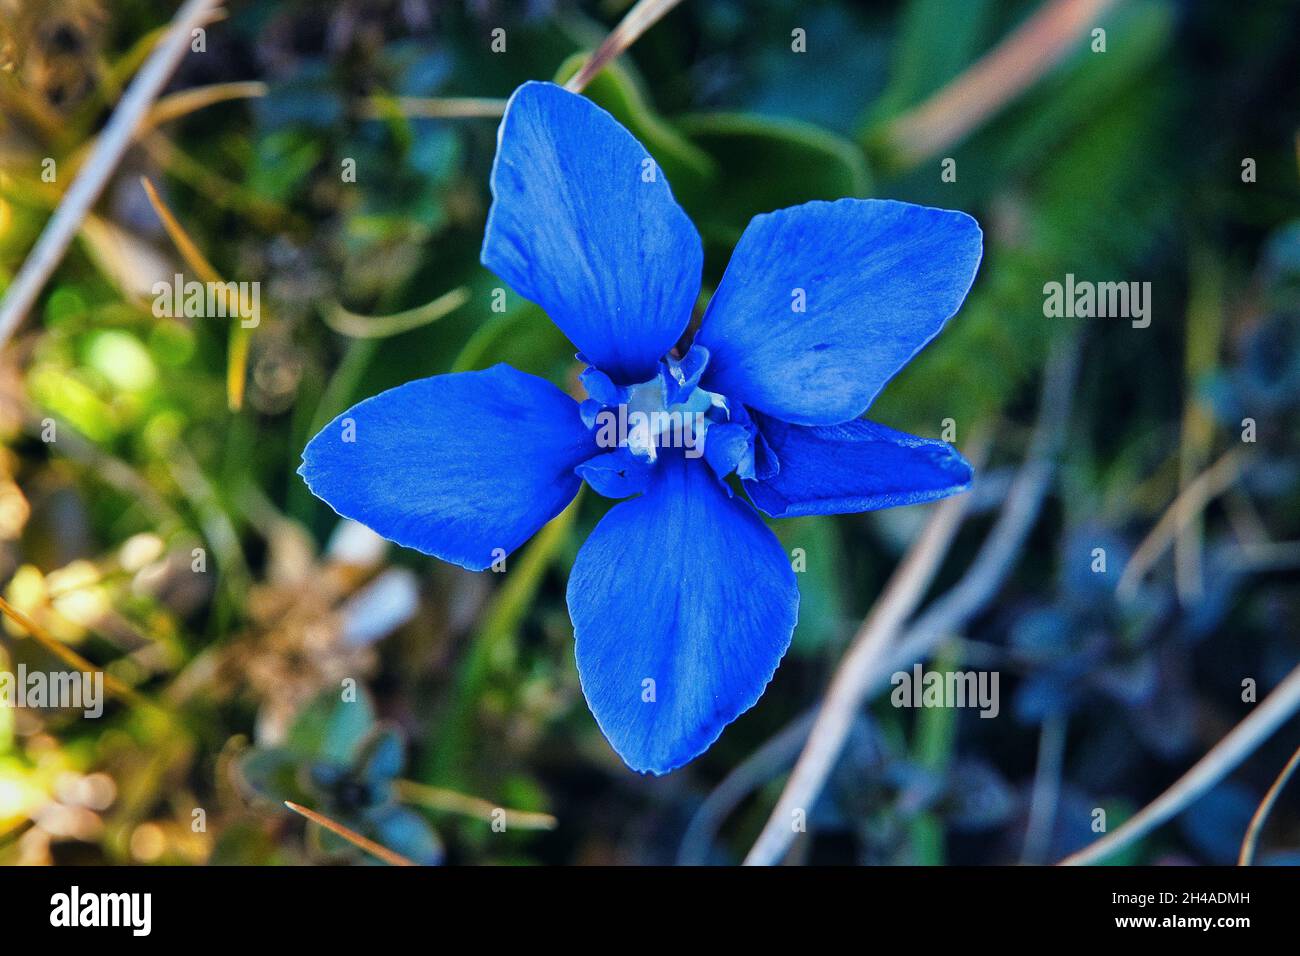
(681, 377)
(726, 445)
(576, 228)
(456, 466)
(406, 832)
(601, 389)
(738, 445)
(856, 466)
(617, 474)
(687, 588)
(878, 280)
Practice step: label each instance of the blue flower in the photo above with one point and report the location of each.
(682, 600)
(337, 758)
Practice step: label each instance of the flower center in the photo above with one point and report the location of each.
(670, 410)
(653, 422)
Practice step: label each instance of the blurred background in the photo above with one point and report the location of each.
(152, 523)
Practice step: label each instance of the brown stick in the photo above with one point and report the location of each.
(639, 19)
(1251, 840)
(1240, 742)
(901, 595)
(1190, 502)
(352, 836)
(994, 80)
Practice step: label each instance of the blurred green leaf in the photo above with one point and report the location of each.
(814, 548)
(331, 728)
(936, 40)
(281, 163)
(1080, 92)
(766, 164)
(272, 772)
(245, 844)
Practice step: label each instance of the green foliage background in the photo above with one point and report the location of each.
(1122, 165)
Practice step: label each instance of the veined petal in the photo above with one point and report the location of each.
(456, 466)
(823, 303)
(683, 603)
(584, 224)
(856, 466)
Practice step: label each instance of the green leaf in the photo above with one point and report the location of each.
(245, 843)
(937, 39)
(272, 772)
(332, 729)
(766, 163)
(1082, 90)
(495, 647)
(281, 164)
(814, 549)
